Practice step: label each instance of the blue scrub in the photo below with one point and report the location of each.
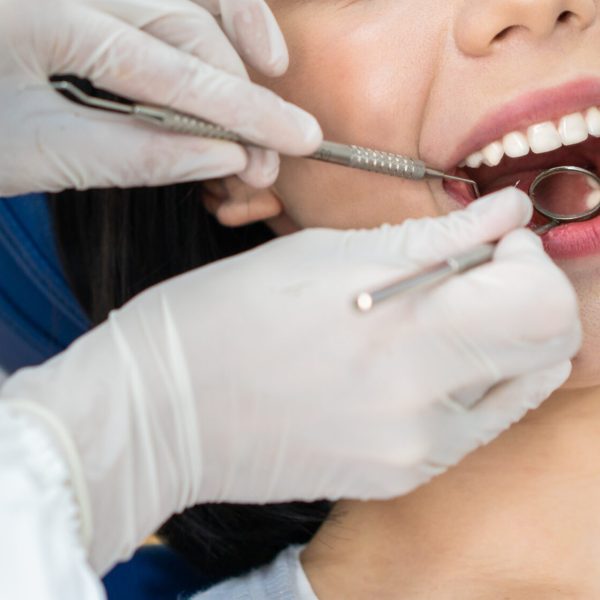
(39, 317)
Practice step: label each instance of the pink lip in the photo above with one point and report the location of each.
(528, 109)
(574, 240)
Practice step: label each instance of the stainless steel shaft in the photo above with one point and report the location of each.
(427, 277)
(437, 273)
(357, 157)
(182, 123)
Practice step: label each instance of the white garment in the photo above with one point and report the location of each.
(41, 555)
(3, 376)
(283, 579)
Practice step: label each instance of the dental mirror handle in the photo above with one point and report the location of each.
(437, 273)
(428, 277)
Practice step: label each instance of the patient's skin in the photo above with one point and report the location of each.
(520, 518)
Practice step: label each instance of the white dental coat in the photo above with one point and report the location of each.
(41, 553)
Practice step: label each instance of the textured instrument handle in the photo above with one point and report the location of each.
(387, 163)
(370, 160)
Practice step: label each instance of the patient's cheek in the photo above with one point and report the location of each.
(344, 69)
(357, 72)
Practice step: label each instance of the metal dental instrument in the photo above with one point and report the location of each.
(543, 204)
(365, 159)
(356, 157)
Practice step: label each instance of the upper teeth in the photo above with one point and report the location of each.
(540, 138)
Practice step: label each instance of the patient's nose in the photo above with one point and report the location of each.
(482, 25)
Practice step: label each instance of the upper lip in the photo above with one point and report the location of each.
(528, 109)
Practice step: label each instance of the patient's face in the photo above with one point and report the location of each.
(441, 80)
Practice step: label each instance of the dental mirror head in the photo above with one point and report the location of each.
(566, 194)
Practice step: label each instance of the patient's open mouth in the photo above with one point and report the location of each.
(520, 156)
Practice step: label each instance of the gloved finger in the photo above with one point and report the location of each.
(197, 36)
(452, 430)
(546, 378)
(548, 284)
(504, 405)
(515, 315)
(252, 28)
(134, 64)
(262, 169)
(129, 154)
(425, 241)
(524, 244)
(507, 402)
(182, 24)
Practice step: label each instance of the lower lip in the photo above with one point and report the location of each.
(572, 240)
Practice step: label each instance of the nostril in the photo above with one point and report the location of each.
(509, 31)
(565, 16)
(503, 34)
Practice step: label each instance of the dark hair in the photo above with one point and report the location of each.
(115, 243)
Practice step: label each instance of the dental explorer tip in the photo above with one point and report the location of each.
(441, 175)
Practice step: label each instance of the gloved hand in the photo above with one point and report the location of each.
(255, 379)
(166, 52)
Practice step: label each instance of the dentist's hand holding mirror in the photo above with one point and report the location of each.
(559, 195)
(250, 381)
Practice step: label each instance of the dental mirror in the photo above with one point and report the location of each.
(565, 194)
(562, 194)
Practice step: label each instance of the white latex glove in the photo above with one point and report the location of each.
(166, 52)
(255, 379)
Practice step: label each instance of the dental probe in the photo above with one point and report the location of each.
(356, 157)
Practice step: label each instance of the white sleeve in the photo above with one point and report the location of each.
(41, 553)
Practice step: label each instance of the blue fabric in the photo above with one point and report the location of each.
(154, 573)
(39, 317)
